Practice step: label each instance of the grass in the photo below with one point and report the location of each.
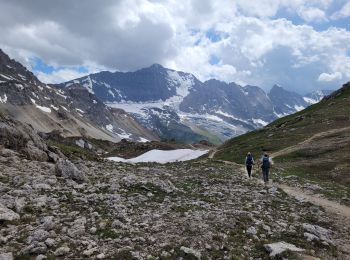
(144, 189)
(74, 152)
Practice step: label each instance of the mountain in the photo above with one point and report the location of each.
(176, 105)
(286, 102)
(312, 145)
(73, 111)
(316, 96)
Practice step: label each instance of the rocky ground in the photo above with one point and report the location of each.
(190, 210)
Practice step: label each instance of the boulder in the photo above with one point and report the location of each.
(6, 256)
(7, 214)
(314, 232)
(278, 248)
(61, 251)
(68, 170)
(191, 251)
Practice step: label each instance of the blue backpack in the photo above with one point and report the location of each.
(249, 160)
(265, 162)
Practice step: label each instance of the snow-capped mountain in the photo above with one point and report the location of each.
(73, 111)
(316, 96)
(286, 102)
(177, 105)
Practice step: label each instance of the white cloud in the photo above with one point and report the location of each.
(312, 14)
(343, 12)
(59, 76)
(330, 77)
(252, 45)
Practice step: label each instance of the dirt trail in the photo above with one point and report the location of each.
(328, 205)
(331, 207)
(298, 146)
(212, 153)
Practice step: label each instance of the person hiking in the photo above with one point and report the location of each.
(265, 167)
(249, 161)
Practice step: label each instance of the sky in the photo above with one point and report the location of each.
(302, 45)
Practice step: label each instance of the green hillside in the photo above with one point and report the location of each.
(313, 144)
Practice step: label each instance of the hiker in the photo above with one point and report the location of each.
(265, 167)
(249, 161)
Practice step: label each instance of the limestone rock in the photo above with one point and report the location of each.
(278, 248)
(6, 256)
(7, 214)
(67, 169)
(61, 251)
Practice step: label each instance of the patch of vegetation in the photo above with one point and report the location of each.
(75, 152)
(107, 232)
(158, 193)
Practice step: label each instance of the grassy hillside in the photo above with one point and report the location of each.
(313, 144)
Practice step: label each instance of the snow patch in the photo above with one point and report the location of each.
(60, 93)
(109, 128)
(87, 83)
(161, 156)
(6, 77)
(4, 99)
(22, 77)
(183, 84)
(64, 108)
(110, 92)
(298, 108)
(56, 108)
(79, 110)
(143, 140)
(310, 100)
(44, 109)
(259, 121)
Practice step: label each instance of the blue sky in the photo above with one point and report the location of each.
(302, 45)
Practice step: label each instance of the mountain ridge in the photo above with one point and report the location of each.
(74, 111)
(219, 108)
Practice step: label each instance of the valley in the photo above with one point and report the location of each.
(81, 178)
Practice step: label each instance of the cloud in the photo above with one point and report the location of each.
(253, 42)
(330, 77)
(59, 76)
(311, 14)
(342, 13)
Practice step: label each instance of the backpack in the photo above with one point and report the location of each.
(265, 162)
(249, 160)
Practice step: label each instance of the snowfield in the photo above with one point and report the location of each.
(161, 156)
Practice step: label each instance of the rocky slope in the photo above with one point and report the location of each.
(193, 210)
(177, 105)
(73, 111)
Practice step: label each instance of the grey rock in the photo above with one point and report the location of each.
(252, 231)
(68, 170)
(321, 233)
(47, 223)
(101, 256)
(276, 249)
(40, 235)
(50, 242)
(62, 251)
(6, 256)
(40, 257)
(191, 251)
(7, 214)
